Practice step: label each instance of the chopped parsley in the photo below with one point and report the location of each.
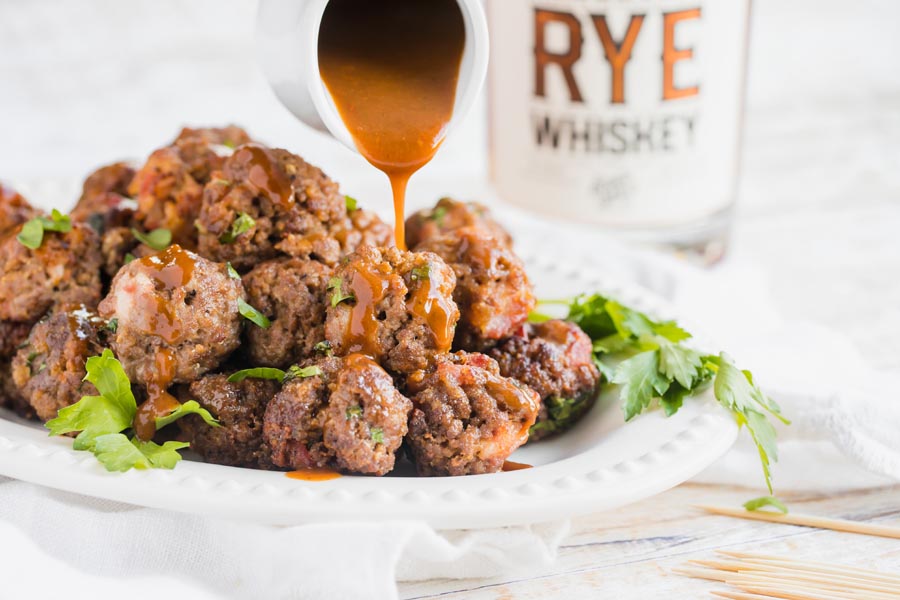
(377, 435)
(241, 225)
(158, 239)
(351, 203)
(766, 501)
(335, 285)
(32, 233)
(113, 324)
(103, 421)
(421, 273)
(253, 315)
(324, 348)
(354, 411)
(232, 272)
(297, 372)
(651, 362)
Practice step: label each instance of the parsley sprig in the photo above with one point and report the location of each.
(32, 233)
(653, 363)
(104, 421)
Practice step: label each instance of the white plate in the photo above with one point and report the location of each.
(601, 464)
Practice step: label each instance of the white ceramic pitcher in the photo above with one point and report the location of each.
(287, 42)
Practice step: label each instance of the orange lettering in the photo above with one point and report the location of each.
(543, 58)
(618, 54)
(672, 55)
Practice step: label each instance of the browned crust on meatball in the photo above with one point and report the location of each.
(396, 307)
(350, 417)
(363, 228)
(65, 269)
(104, 201)
(204, 312)
(467, 419)
(169, 187)
(49, 369)
(294, 205)
(116, 246)
(291, 293)
(493, 291)
(450, 215)
(554, 358)
(239, 407)
(14, 210)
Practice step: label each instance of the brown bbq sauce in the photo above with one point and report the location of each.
(369, 288)
(169, 270)
(392, 67)
(266, 174)
(435, 308)
(313, 474)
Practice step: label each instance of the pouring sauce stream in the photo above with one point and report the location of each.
(392, 67)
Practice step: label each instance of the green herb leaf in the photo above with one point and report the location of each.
(651, 362)
(232, 272)
(335, 285)
(119, 454)
(251, 314)
(437, 215)
(32, 233)
(421, 273)
(296, 372)
(129, 257)
(191, 407)
(351, 203)
(110, 412)
(158, 239)
(377, 435)
(242, 224)
(641, 382)
(257, 373)
(324, 347)
(766, 501)
(354, 411)
(113, 324)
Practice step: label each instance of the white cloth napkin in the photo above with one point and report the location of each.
(835, 401)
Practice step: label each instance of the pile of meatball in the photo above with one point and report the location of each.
(424, 355)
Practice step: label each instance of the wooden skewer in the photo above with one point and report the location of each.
(806, 521)
(740, 595)
(831, 586)
(793, 593)
(766, 560)
(785, 571)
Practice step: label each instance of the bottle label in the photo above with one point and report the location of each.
(620, 112)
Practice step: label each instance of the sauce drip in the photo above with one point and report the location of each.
(159, 402)
(435, 308)
(266, 173)
(509, 465)
(369, 288)
(169, 270)
(392, 67)
(313, 474)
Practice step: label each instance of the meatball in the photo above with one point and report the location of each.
(288, 207)
(49, 369)
(176, 316)
(169, 187)
(239, 407)
(394, 306)
(116, 246)
(450, 215)
(104, 201)
(291, 293)
(556, 360)
(65, 269)
(363, 228)
(349, 417)
(14, 210)
(467, 418)
(492, 290)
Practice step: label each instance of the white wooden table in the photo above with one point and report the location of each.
(820, 212)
